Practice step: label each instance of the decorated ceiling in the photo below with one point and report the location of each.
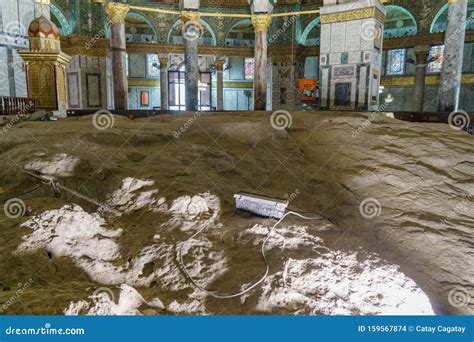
(86, 17)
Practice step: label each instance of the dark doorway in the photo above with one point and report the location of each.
(343, 94)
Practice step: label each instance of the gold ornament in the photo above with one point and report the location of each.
(117, 12)
(261, 22)
(364, 13)
(189, 16)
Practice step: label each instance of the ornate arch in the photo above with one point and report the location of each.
(142, 16)
(65, 27)
(437, 21)
(312, 24)
(399, 22)
(440, 20)
(202, 21)
(235, 24)
(142, 20)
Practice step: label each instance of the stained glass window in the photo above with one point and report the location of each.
(396, 62)
(249, 68)
(436, 53)
(153, 67)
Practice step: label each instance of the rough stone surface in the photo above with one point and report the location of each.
(328, 164)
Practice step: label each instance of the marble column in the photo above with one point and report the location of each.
(220, 84)
(164, 82)
(421, 53)
(261, 22)
(192, 31)
(117, 13)
(450, 85)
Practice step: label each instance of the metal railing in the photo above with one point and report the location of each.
(17, 105)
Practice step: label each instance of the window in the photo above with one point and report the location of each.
(249, 68)
(126, 63)
(437, 54)
(153, 65)
(396, 62)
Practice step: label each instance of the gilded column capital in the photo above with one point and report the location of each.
(261, 22)
(220, 64)
(163, 61)
(422, 53)
(457, 2)
(189, 16)
(117, 12)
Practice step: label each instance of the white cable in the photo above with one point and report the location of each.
(267, 265)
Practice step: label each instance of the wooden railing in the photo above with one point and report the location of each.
(17, 105)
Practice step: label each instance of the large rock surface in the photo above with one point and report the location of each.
(397, 190)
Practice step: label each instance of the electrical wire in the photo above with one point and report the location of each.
(57, 187)
(264, 257)
(22, 194)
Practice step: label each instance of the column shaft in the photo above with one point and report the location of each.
(164, 82)
(419, 90)
(220, 91)
(192, 74)
(117, 13)
(260, 77)
(453, 56)
(421, 53)
(118, 52)
(220, 85)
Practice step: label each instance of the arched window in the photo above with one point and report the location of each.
(208, 36)
(241, 34)
(139, 29)
(399, 22)
(60, 20)
(312, 33)
(440, 21)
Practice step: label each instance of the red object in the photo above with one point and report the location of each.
(308, 89)
(145, 100)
